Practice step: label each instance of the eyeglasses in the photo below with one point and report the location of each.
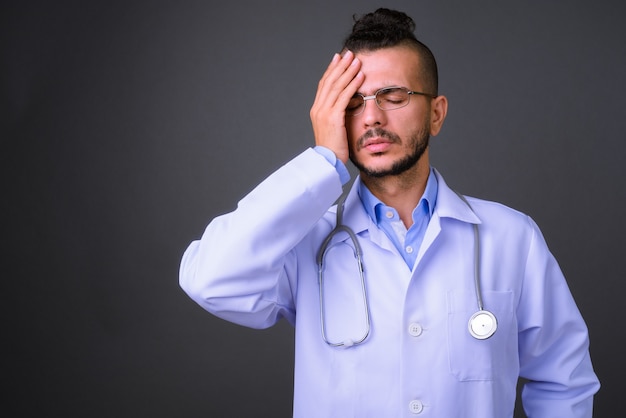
(388, 98)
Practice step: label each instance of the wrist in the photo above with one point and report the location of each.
(339, 165)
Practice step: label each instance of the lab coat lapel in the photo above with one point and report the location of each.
(355, 217)
(449, 205)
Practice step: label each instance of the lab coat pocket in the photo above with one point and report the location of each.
(473, 359)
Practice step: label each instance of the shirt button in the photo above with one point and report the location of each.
(389, 214)
(415, 329)
(409, 249)
(416, 407)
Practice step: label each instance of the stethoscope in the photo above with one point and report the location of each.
(481, 325)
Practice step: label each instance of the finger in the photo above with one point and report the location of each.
(339, 77)
(335, 70)
(338, 65)
(349, 82)
(348, 92)
(326, 75)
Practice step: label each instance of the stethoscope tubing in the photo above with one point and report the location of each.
(481, 325)
(340, 227)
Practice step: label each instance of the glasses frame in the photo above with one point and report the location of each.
(373, 97)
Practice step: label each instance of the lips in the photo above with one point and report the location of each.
(377, 140)
(377, 145)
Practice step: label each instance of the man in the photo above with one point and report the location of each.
(438, 323)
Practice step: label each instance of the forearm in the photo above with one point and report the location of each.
(240, 269)
(554, 342)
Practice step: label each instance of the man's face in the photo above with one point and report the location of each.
(390, 142)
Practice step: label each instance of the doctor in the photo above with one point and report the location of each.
(395, 339)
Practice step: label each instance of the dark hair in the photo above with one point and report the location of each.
(387, 28)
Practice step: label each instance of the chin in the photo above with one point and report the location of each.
(381, 165)
(376, 169)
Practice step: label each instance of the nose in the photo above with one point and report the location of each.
(372, 115)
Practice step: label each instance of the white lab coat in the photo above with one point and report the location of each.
(258, 264)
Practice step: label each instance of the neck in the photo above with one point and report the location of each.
(402, 192)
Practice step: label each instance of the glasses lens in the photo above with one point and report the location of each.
(355, 105)
(392, 98)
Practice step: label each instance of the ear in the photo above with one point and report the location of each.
(438, 112)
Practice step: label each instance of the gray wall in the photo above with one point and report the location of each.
(127, 126)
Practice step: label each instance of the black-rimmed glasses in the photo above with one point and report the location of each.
(388, 98)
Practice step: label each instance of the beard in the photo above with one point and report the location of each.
(418, 141)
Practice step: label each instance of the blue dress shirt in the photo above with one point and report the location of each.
(386, 218)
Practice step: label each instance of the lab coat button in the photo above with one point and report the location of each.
(416, 406)
(415, 329)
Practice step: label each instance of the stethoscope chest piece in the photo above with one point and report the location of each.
(482, 325)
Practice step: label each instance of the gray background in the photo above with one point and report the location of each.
(127, 126)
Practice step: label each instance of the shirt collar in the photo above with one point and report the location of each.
(429, 199)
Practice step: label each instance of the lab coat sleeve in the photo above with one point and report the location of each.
(243, 269)
(553, 341)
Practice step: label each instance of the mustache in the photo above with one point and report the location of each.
(377, 133)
